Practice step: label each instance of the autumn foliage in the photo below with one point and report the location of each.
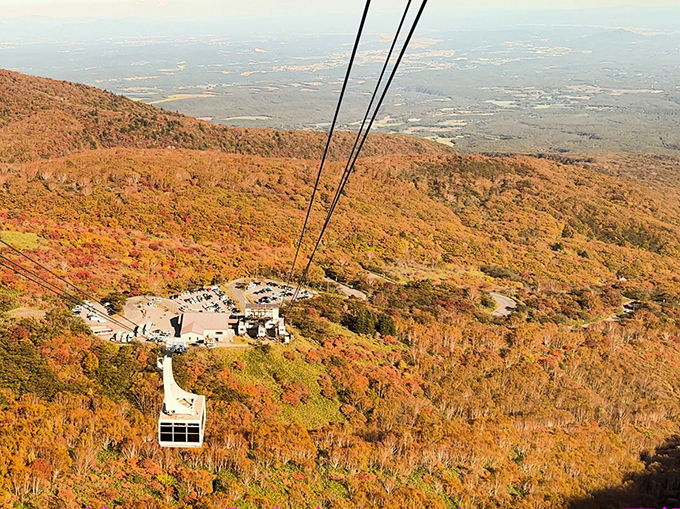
(416, 398)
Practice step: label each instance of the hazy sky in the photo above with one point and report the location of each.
(212, 8)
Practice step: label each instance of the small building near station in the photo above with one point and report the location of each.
(264, 321)
(262, 312)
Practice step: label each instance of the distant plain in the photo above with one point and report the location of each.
(602, 80)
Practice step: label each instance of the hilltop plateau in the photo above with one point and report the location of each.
(418, 397)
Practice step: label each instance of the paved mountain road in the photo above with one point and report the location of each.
(506, 305)
(349, 292)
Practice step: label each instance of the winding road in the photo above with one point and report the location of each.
(506, 305)
(237, 294)
(349, 292)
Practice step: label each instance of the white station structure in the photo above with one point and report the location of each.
(182, 419)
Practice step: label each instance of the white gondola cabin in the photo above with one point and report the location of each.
(182, 419)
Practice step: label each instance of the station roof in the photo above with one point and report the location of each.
(198, 323)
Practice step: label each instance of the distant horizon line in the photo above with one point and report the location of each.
(485, 10)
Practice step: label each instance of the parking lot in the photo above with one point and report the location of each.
(208, 299)
(157, 317)
(96, 316)
(266, 292)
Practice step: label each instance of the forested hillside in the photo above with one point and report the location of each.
(43, 118)
(417, 398)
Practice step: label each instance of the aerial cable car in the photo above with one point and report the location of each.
(182, 417)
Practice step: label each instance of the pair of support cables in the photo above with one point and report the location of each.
(362, 135)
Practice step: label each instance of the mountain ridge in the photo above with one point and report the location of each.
(42, 118)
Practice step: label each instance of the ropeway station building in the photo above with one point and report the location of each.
(260, 321)
(200, 327)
